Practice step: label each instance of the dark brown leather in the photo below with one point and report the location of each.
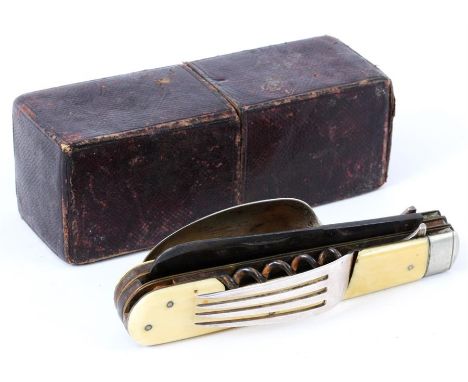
(130, 193)
(143, 154)
(38, 168)
(112, 166)
(152, 99)
(316, 118)
(286, 70)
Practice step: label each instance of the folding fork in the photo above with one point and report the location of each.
(276, 300)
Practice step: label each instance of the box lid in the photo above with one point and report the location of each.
(279, 71)
(161, 98)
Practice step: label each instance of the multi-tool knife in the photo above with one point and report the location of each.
(269, 261)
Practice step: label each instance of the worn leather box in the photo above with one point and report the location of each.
(111, 166)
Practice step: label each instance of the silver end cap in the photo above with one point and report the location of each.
(443, 250)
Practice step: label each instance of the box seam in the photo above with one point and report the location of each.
(242, 140)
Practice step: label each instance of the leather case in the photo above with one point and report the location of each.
(111, 166)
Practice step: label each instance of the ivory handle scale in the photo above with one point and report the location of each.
(386, 266)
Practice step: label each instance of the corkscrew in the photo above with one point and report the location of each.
(271, 261)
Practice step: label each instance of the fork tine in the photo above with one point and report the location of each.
(300, 292)
(267, 309)
(275, 300)
(266, 318)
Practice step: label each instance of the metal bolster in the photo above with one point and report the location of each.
(443, 250)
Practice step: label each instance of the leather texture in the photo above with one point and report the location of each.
(75, 114)
(285, 70)
(319, 150)
(112, 166)
(38, 169)
(132, 192)
(132, 157)
(316, 118)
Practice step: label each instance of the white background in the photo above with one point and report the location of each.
(58, 322)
